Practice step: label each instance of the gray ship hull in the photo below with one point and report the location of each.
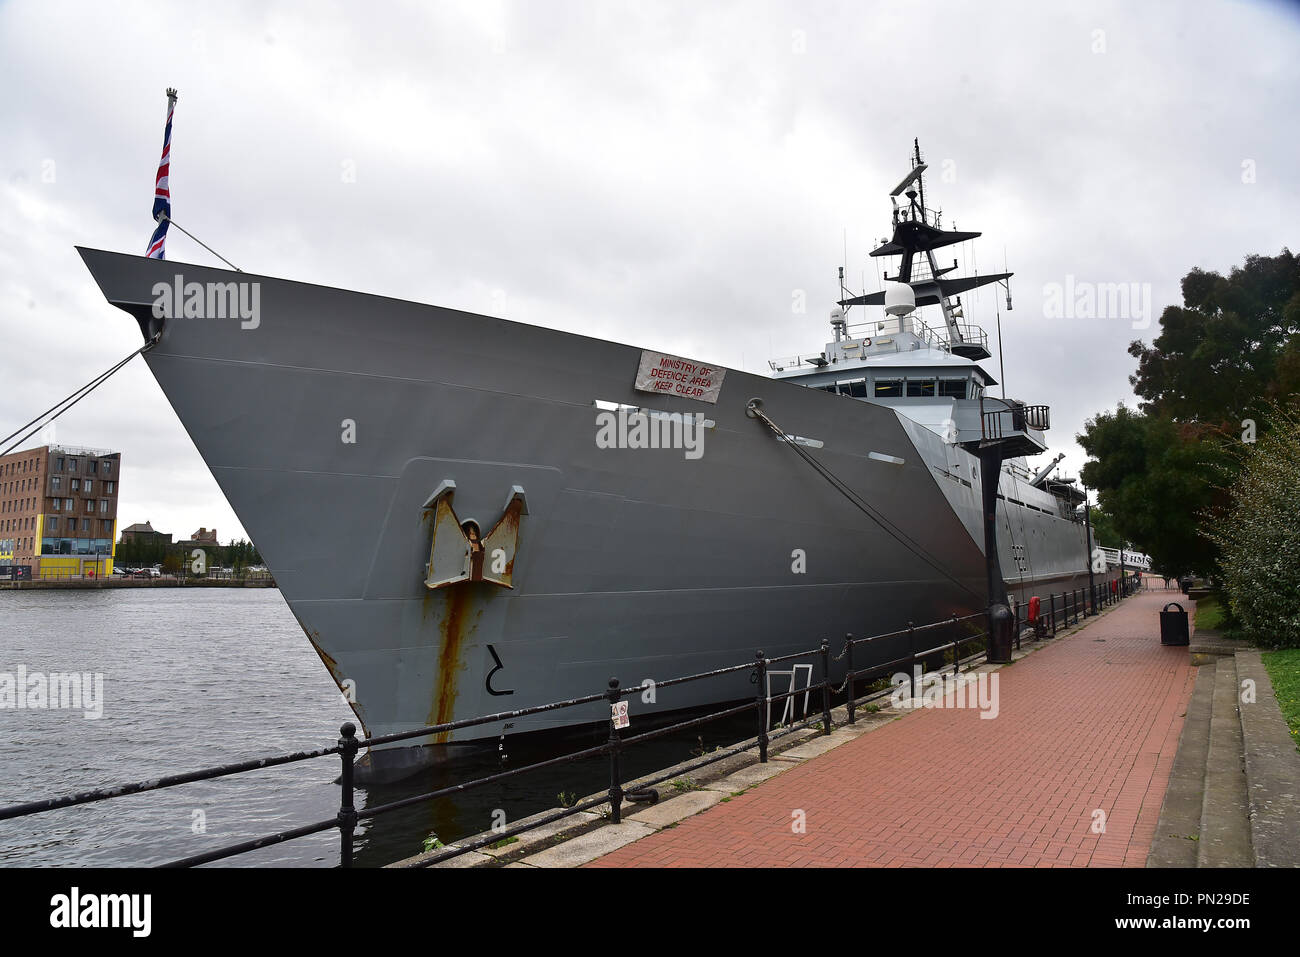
(632, 563)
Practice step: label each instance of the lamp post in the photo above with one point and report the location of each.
(1087, 524)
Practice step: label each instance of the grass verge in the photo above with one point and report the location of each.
(1210, 613)
(1284, 671)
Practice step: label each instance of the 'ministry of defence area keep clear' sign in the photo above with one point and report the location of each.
(673, 375)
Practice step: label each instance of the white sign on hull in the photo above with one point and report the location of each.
(673, 375)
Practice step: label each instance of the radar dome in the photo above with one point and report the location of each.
(899, 298)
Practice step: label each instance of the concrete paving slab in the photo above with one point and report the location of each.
(544, 833)
(819, 745)
(1272, 770)
(1178, 830)
(468, 859)
(587, 847)
(677, 809)
(748, 777)
(1225, 819)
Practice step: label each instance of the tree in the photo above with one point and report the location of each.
(1259, 534)
(1153, 479)
(1231, 346)
(1104, 530)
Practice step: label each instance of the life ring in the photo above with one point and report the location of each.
(865, 343)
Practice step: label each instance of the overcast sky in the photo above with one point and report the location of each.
(669, 175)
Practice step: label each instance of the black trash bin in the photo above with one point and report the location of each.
(1173, 625)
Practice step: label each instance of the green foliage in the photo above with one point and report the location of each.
(1104, 530)
(1233, 344)
(1259, 534)
(1210, 614)
(1153, 477)
(143, 553)
(1229, 353)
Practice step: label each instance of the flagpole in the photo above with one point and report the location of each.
(162, 212)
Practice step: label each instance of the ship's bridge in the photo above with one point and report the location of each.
(902, 363)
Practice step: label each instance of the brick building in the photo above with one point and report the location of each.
(145, 532)
(58, 511)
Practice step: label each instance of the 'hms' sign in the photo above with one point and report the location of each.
(673, 375)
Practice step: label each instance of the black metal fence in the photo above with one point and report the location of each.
(934, 646)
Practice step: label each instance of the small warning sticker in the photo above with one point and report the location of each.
(618, 711)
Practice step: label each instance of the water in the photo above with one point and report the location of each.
(201, 677)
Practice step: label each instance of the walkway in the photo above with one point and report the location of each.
(1071, 772)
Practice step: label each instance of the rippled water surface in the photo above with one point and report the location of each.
(201, 677)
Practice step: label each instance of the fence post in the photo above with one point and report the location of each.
(347, 809)
(760, 704)
(911, 652)
(615, 742)
(1051, 599)
(826, 686)
(850, 703)
(956, 648)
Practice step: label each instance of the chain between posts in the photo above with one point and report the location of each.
(826, 686)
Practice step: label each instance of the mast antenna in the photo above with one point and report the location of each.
(920, 181)
(1002, 369)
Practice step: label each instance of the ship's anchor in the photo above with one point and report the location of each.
(460, 552)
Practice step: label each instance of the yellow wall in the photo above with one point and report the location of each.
(65, 566)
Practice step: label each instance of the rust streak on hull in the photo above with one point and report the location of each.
(459, 618)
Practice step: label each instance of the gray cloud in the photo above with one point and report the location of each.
(662, 174)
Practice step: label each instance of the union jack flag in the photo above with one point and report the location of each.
(162, 197)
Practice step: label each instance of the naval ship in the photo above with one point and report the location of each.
(470, 516)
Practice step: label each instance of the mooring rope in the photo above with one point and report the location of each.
(887, 526)
(45, 418)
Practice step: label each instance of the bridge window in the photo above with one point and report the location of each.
(920, 387)
(889, 388)
(854, 387)
(952, 388)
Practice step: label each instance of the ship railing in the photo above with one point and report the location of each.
(926, 645)
(1008, 417)
(933, 337)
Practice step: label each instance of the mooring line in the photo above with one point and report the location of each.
(854, 499)
(45, 418)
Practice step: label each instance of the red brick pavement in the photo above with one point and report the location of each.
(1088, 723)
